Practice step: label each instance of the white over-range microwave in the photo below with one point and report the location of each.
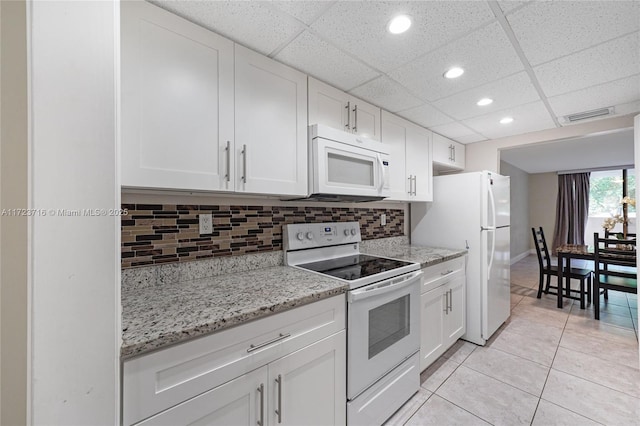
(346, 167)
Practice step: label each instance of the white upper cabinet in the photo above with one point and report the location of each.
(197, 116)
(410, 166)
(340, 110)
(447, 154)
(270, 126)
(177, 101)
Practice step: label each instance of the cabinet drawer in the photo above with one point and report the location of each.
(436, 275)
(157, 381)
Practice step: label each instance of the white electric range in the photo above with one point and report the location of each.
(383, 315)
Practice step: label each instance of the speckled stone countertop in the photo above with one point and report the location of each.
(425, 256)
(157, 316)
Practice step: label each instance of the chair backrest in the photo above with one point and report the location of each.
(609, 234)
(612, 251)
(544, 261)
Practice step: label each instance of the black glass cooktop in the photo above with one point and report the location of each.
(354, 267)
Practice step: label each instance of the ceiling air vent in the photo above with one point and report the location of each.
(572, 118)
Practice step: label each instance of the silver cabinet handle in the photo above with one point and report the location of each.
(279, 410)
(450, 306)
(453, 149)
(228, 152)
(261, 390)
(355, 119)
(281, 336)
(415, 184)
(446, 303)
(244, 163)
(410, 184)
(451, 152)
(348, 125)
(447, 272)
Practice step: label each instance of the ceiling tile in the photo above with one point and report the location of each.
(386, 94)
(360, 27)
(548, 30)
(486, 55)
(471, 138)
(607, 62)
(304, 10)
(527, 118)
(452, 130)
(425, 115)
(511, 91)
(250, 23)
(602, 96)
(314, 56)
(508, 5)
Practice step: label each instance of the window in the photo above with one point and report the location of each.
(606, 192)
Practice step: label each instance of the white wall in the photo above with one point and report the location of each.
(13, 228)
(485, 155)
(543, 194)
(75, 300)
(519, 191)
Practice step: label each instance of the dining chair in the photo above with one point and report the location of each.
(614, 236)
(615, 267)
(548, 270)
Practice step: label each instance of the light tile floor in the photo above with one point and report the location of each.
(544, 366)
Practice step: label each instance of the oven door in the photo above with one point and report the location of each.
(383, 329)
(344, 169)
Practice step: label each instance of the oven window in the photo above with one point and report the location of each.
(349, 170)
(388, 324)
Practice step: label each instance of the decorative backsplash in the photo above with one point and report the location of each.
(164, 233)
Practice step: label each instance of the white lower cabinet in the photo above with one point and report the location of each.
(308, 386)
(442, 309)
(238, 402)
(286, 369)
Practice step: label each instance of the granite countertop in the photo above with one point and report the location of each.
(425, 256)
(161, 315)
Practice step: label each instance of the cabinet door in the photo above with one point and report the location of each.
(442, 150)
(394, 135)
(270, 126)
(455, 325)
(328, 105)
(419, 165)
(459, 155)
(311, 385)
(177, 101)
(431, 326)
(237, 402)
(365, 119)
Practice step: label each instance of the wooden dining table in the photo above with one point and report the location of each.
(566, 252)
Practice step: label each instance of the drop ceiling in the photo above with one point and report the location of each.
(538, 61)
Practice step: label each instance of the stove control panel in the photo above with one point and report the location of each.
(313, 235)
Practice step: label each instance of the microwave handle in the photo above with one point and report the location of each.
(384, 287)
(382, 173)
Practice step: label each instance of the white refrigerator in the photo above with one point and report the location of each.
(471, 210)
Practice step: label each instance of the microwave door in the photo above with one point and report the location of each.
(346, 169)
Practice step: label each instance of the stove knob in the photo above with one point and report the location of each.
(346, 232)
(309, 235)
(353, 231)
(300, 236)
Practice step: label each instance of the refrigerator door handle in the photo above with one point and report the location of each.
(492, 202)
(493, 251)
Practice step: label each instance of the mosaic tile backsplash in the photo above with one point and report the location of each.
(164, 233)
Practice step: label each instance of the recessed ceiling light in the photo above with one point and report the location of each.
(484, 102)
(506, 120)
(454, 72)
(399, 24)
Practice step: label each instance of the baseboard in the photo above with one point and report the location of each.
(521, 256)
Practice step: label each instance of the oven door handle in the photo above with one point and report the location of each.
(387, 286)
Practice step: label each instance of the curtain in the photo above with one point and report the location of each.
(572, 209)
